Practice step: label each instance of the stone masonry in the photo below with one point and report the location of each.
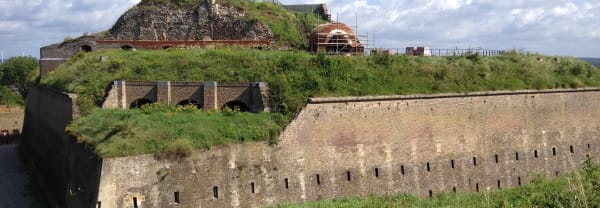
(342, 147)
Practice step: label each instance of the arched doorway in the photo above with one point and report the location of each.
(86, 48)
(236, 105)
(190, 102)
(167, 47)
(139, 103)
(126, 48)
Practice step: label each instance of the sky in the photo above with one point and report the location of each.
(551, 27)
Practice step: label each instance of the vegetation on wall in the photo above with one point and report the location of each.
(579, 189)
(169, 131)
(296, 76)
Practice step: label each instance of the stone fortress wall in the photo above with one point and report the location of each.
(340, 147)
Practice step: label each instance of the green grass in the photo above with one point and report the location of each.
(169, 131)
(293, 77)
(580, 189)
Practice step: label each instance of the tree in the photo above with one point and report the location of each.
(18, 71)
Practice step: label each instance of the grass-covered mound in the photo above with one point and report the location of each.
(8, 97)
(168, 130)
(580, 189)
(293, 77)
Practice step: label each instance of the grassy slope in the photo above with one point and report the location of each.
(7, 97)
(295, 76)
(168, 130)
(580, 189)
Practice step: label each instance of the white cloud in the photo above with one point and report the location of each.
(567, 27)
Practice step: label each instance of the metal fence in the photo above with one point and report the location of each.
(439, 52)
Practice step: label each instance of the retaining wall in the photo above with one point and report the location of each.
(420, 144)
(68, 170)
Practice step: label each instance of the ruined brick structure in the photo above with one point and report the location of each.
(335, 38)
(251, 97)
(340, 147)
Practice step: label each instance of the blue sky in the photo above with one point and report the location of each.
(553, 27)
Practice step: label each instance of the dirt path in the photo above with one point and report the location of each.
(12, 179)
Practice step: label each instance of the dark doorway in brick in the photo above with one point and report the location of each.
(190, 102)
(126, 48)
(86, 48)
(237, 106)
(139, 103)
(166, 47)
(135, 202)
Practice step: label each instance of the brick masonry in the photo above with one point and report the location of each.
(420, 144)
(209, 95)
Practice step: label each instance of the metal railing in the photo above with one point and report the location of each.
(439, 52)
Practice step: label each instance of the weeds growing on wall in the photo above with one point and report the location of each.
(295, 76)
(577, 189)
(169, 131)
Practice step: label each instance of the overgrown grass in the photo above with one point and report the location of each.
(295, 76)
(169, 131)
(580, 189)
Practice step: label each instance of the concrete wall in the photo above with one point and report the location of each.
(423, 144)
(210, 95)
(69, 171)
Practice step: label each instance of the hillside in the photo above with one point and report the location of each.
(295, 76)
(201, 20)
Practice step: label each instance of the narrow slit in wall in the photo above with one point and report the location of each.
(454, 189)
(402, 169)
(376, 172)
(287, 183)
(499, 187)
(519, 180)
(430, 193)
(477, 187)
(516, 155)
(216, 192)
(252, 188)
(348, 176)
(135, 202)
(554, 151)
(589, 146)
(318, 179)
(176, 197)
(496, 157)
(535, 153)
(428, 167)
(474, 161)
(571, 149)
(452, 163)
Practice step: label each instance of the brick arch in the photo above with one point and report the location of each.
(127, 47)
(236, 104)
(86, 48)
(137, 103)
(190, 102)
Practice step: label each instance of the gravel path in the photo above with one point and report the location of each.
(12, 179)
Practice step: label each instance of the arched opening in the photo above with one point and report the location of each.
(190, 102)
(126, 48)
(236, 105)
(139, 103)
(167, 47)
(86, 48)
